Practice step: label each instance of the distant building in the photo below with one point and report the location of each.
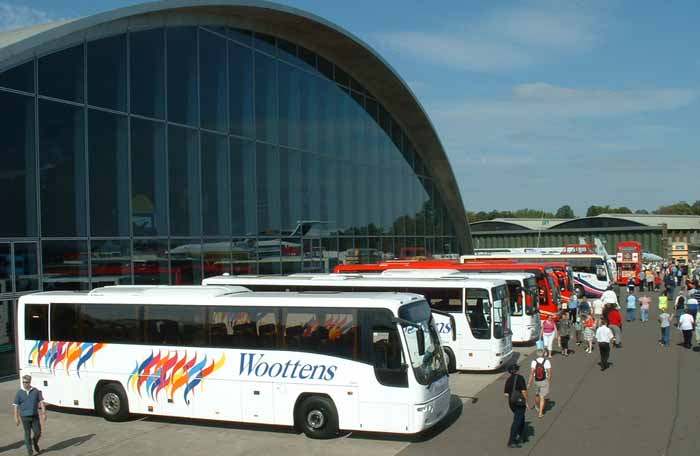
(657, 233)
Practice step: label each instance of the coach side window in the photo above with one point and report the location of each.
(243, 327)
(175, 325)
(36, 322)
(327, 331)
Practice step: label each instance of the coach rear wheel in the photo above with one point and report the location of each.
(316, 416)
(111, 403)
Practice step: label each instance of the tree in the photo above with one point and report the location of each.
(641, 211)
(565, 212)
(597, 210)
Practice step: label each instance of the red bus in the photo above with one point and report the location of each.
(547, 280)
(629, 261)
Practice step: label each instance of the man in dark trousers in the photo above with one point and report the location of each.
(515, 391)
(30, 409)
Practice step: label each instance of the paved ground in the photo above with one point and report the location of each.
(648, 403)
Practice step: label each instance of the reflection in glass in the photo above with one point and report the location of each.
(265, 98)
(150, 262)
(108, 155)
(147, 50)
(110, 262)
(182, 75)
(107, 73)
(291, 188)
(244, 256)
(18, 158)
(62, 165)
(184, 182)
(148, 178)
(185, 262)
(289, 105)
(311, 188)
(19, 78)
(61, 74)
(216, 202)
(212, 82)
(243, 187)
(241, 90)
(5, 267)
(64, 265)
(216, 257)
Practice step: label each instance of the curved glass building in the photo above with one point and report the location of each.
(170, 141)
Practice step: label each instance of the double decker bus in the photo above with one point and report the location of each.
(549, 302)
(471, 316)
(318, 362)
(590, 271)
(629, 262)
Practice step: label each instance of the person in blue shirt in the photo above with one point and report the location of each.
(631, 307)
(29, 409)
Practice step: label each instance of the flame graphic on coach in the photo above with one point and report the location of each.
(52, 355)
(170, 371)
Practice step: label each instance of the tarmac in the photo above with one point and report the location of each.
(647, 403)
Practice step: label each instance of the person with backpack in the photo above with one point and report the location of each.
(515, 391)
(541, 374)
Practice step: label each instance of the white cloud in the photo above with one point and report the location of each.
(503, 39)
(17, 16)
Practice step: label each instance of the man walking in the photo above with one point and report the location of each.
(604, 336)
(30, 409)
(541, 373)
(686, 323)
(515, 391)
(631, 307)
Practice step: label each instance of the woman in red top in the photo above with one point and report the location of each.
(615, 324)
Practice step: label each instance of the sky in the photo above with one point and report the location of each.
(538, 103)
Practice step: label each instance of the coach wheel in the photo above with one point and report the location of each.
(112, 403)
(316, 416)
(451, 361)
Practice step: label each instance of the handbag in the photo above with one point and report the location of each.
(516, 397)
(539, 345)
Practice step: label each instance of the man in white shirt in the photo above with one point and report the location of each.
(604, 337)
(686, 324)
(541, 373)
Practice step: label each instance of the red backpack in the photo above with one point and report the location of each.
(540, 372)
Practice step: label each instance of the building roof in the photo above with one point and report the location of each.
(512, 224)
(317, 34)
(673, 222)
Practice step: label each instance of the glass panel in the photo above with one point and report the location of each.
(185, 262)
(341, 77)
(265, 43)
(268, 184)
(65, 265)
(19, 78)
(148, 73)
(242, 36)
(326, 118)
(289, 105)
(108, 156)
(150, 262)
(182, 75)
(307, 57)
(107, 73)
(265, 98)
(26, 266)
(325, 67)
(373, 200)
(62, 165)
(61, 74)
(18, 159)
(148, 178)
(311, 187)
(212, 82)
(175, 325)
(110, 262)
(5, 268)
(245, 257)
(216, 257)
(308, 111)
(216, 201)
(36, 322)
(241, 90)
(243, 187)
(287, 51)
(8, 357)
(291, 189)
(184, 181)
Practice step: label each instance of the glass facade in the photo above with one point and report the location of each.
(167, 155)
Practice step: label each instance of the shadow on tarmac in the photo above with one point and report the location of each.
(73, 442)
(12, 446)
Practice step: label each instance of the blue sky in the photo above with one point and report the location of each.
(538, 103)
